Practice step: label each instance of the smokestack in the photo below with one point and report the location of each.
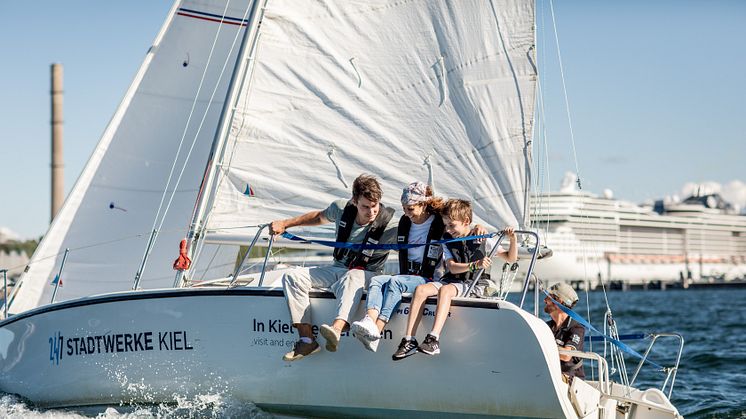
(58, 175)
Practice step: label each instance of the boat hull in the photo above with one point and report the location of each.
(156, 346)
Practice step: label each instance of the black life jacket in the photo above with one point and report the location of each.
(430, 258)
(573, 367)
(464, 252)
(368, 259)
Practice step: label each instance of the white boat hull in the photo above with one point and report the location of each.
(155, 346)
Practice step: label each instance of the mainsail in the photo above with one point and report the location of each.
(108, 216)
(405, 90)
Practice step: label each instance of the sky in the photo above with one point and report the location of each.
(655, 90)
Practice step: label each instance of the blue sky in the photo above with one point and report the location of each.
(655, 91)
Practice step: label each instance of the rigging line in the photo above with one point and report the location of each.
(216, 229)
(188, 121)
(542, 161)
(546, 180)
(577, 165)
(87, 246)
(154, 233)
(564, 91)
(209, 103)
(204, 115)
(209, 264)
(251, 59)
(572, 139)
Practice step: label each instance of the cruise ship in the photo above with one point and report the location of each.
(598, 238)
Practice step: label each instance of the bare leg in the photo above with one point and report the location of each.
(340, 325)
(304, 330)
(445, 295)
(415, 310)
(380, 324)
(373, 314)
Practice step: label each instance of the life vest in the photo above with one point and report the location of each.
(464, 252)
(368, 259)
(430, 257)
(563, 334)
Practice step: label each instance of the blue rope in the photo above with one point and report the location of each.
(360, 246)
(623, 346)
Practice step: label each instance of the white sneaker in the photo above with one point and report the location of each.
(365, 329)
(331, 335)
(371, 345)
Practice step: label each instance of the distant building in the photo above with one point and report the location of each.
(11, 258)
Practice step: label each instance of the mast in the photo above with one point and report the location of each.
(244, 64)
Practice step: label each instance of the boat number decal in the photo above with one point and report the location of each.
(426, 312)
(60, 346)
(55, 348)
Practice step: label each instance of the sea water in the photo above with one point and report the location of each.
(711, 381)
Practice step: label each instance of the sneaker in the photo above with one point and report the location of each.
(430, 345)
(371, 345)
(301, 349)
(406, 348)
(331, 335)
(365, 328)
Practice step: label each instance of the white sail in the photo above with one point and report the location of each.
(107, 218)
(344, 87)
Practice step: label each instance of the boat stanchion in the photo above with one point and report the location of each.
(246, 256)
(266, 258)
(479, 272)
(530, 270)
(59, 275)
(5, 293)
(670, 371)
(141, 269)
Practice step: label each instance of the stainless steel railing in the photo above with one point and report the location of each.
(248, 251)
(670, 371)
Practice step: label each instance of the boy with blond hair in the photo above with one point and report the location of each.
(463, 259)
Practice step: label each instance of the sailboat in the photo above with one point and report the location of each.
(246, 111)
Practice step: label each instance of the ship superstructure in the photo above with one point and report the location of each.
(600, 238)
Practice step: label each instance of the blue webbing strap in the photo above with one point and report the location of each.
(623, 346)
(359, 246)
(631, 336)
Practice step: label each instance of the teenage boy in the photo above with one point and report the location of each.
(463, 259)
(360, 220)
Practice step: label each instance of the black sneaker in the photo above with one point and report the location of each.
(430, 345)
(406, 348)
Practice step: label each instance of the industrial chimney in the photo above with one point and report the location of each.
(58, 175)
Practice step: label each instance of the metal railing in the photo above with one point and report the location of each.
(5, 293)
(534, 254)
(248, 252)
(59, 276)
(603, 367)
(670, 371)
